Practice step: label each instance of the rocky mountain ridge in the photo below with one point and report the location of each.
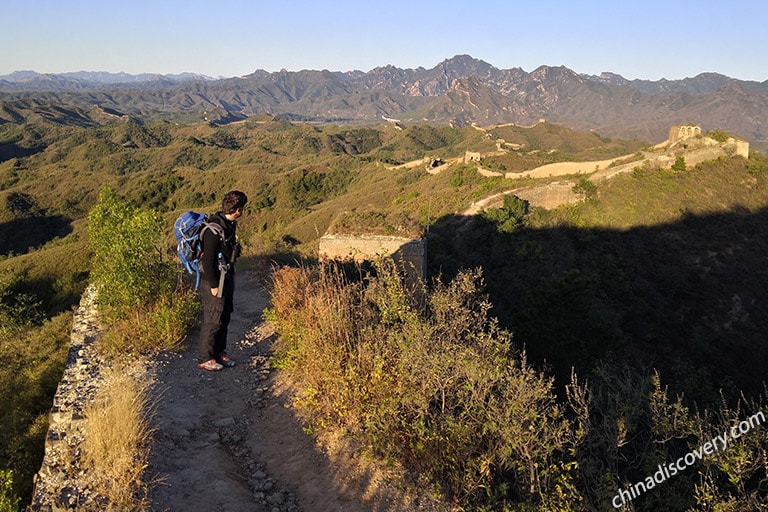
(459, 91)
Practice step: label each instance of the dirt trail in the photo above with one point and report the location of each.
(229, 440)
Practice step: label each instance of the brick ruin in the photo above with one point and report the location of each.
(682, 132)
(409, 253)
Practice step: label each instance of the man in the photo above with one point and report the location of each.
(217, 286)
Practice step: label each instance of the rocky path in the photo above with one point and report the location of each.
(229, 440)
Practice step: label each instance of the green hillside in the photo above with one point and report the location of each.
(659, 270)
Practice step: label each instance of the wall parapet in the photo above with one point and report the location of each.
(60, 484)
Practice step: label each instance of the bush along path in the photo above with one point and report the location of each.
(230, 440)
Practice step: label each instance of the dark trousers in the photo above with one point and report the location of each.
(216, 315)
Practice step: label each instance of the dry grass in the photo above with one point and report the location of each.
(117, 440)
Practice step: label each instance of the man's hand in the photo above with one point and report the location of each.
(215, 291)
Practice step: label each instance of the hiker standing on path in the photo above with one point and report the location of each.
(217, 289)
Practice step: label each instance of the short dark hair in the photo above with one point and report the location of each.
(233, 200)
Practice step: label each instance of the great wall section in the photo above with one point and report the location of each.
(686, 141)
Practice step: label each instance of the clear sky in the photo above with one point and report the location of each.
(649, 40)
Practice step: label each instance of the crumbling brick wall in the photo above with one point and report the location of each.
(410, 253)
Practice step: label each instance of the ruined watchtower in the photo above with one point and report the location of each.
(682, 132)
(368, 237)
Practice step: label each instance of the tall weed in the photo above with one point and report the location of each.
(157, 326)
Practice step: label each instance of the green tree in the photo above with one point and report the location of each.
(510, 216)
(128, 268)
(136, 286)
(679, 164)
(17, 309)
(22, 205)
(586, 187)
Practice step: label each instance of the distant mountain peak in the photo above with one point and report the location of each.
(465, 59)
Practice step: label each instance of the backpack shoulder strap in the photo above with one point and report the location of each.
(215, 227)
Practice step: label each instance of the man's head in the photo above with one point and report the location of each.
(233, 201)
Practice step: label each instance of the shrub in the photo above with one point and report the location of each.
(719, 135)
(127, 265)
(585, 187)
(465, 175)
(438, 387)
(734, 479)
(510, 216)
(22, 205)
(758, 162)
(679, 164)
(136, 285)
(9, 502)
(457, 177)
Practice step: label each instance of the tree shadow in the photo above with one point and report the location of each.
(20, 235)
(688, 298)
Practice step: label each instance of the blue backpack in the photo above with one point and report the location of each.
(188, 229)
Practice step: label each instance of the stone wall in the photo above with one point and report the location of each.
(61, 484)
(550, 196)
(471, 156)
(562, 168)
(698, 150)
(742, 148)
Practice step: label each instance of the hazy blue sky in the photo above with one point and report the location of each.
(652, 39)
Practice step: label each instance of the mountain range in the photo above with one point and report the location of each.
(459, 91)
